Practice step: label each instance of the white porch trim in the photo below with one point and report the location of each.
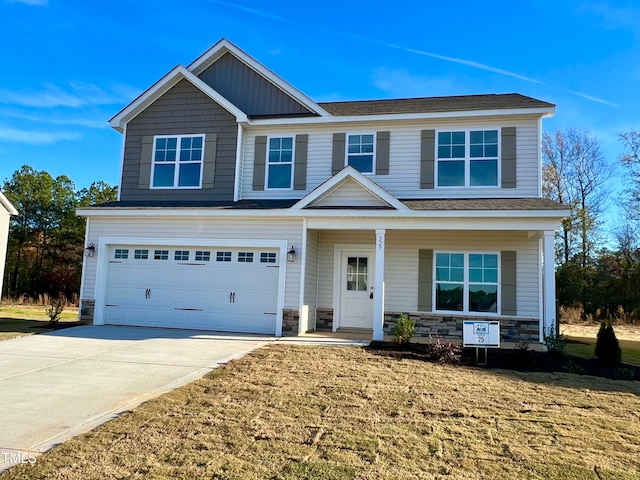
(378, 290)
(549, 290)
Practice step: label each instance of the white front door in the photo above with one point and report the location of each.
(356, 289)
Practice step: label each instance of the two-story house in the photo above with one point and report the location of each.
(245, 206)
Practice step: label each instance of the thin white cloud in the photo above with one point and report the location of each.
(79, 94)
(401, 83)
(32, 137)
(55, 120)
(261, 13)
(38, 3)
(594, 99)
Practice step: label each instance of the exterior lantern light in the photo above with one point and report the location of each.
(291, 254)
(91, 250)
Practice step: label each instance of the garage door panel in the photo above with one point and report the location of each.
(216, 295)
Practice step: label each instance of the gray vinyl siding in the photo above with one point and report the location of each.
(182, 110)
(248, 90)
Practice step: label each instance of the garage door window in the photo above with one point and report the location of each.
(203, 256)
(223, 256)
(267, 257)
(245, 257)
(161, 255)
(121, 253)
(140, 254)
(181, 255)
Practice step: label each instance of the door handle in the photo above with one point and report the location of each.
(230, 297)
(149, 297)
(234, 297)
(147, 293)
(371, 295)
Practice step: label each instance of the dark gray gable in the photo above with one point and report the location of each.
(249, 91)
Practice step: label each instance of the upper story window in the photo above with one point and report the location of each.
(280, 163)
(360, 152)
(177, 161)
(467, 158)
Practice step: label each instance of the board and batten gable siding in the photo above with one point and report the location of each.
(4, 232)
(401, 262)
(209, 229)
(405, 138)
(182, 110)
(248, 90)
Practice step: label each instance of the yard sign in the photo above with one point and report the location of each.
(481, 334)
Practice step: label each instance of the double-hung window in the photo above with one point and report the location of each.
(177, 161)
(466, 282)
(280, 163)
(361, 152)
(467, 158)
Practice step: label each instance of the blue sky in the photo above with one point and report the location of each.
(69, 66)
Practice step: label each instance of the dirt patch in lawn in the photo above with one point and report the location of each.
(303, 412)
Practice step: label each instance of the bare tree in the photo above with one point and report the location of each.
(630, 159)
(575, 173)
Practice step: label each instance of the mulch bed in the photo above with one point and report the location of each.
(519, 360)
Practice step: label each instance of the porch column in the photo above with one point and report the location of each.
(549, 279)
(378, 295)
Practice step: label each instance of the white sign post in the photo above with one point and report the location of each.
(481, 334)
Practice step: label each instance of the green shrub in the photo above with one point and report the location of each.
(625, 373)
(607, 347)
(555, 344)
(403, 330)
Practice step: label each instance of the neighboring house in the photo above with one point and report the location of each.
(429, 206)
(6, 210)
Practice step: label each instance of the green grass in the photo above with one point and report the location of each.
(17, 320)
(585, 346)
(289, 412)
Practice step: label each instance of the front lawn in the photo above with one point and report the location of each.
(20, 320)
(309, 412)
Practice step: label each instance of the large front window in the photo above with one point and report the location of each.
(467, 158)
(466, 282)
(360, 152)
(280, 162)
(177, 161)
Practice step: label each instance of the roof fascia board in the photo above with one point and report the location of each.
(161, 87)
(368, 185)
(208, 58)
(320, 213)
(4, 201)
(544, 112)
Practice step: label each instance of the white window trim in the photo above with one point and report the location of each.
(467, 157)
(176, 171)
(465, 288)
(346, 151)
(293, 162)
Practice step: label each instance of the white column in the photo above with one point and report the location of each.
(549, 278)
(378, 295)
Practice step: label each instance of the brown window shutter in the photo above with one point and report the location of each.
(300, 163)
(382, 153)
(427, 158)
(209, 166)
(146, 152)
(259, 160)
(508, 283)
(425, 280)
(337, 161)
(508, 147)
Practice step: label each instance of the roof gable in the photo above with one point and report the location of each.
(164, 85)
(4, 201)
(349, 189)
(220, 67)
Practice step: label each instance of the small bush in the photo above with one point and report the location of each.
(403, 330)
(624, 373)
(573, 367)
(521, 355)
(55, 309)
(556, 344)
(607, 348)
(444, 352)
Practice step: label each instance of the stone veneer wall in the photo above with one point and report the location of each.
(290, 322)
(324, 319)
(87, 307)
(449, 327)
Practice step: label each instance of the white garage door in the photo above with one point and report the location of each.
(227, 289)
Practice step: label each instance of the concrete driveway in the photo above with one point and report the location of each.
(55, 386)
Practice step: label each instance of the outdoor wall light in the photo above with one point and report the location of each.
(91, 250)
(291, 254)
